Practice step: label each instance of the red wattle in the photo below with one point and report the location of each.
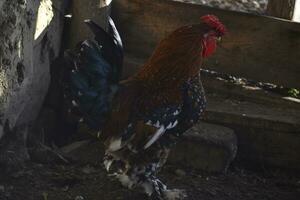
(209, 46)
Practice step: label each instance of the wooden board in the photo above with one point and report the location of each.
(281, 8)
(257, 47)
(95, 10)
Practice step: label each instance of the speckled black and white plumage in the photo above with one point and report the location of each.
(171, 122)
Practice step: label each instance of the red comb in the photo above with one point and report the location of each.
(214, 22)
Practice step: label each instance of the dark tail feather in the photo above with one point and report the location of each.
(112, 46)
(89, 87)
(94, 71)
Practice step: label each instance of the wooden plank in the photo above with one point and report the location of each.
(257, 47)
(281, 8)
(97, 10)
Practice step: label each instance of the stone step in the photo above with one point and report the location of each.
(206, 147)
(221, 108)
(267, 136)
(267, 124)
(240, 89)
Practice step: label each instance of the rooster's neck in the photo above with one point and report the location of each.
(172, 74)
(176, 58)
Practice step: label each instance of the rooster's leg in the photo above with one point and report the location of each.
(142, 175)
(145, 178)
(158, 191)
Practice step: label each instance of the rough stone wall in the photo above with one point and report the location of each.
(29, 41)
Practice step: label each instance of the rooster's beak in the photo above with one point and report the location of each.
(219, 39)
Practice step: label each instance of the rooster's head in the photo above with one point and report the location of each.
(215, 30)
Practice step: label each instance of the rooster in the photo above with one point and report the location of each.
(141, 118)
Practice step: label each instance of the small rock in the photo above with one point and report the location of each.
(2, 188)
(180, 172)
(74, 146)
(79, 197)
(88, 169)
(66, 188)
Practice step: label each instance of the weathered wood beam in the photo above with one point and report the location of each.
(97, 10)
(281, 8)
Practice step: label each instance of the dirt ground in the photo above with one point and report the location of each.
(89, 182)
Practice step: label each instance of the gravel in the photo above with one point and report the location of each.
(251, 6)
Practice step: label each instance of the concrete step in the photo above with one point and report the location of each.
(267, 124)
(206, 147)
(228, 110)
(249, 90)
(268, 136)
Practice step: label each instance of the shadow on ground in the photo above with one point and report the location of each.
(89, 182)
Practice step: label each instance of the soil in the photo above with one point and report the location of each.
(79, 181)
